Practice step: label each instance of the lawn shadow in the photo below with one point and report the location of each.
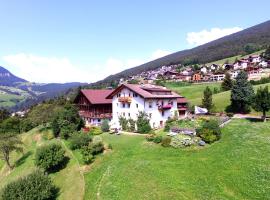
(254, 120)
(61, 166)
(22, 159)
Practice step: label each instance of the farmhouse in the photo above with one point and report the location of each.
(93, 106)
(159, 103)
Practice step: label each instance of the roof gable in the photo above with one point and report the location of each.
(97, 96)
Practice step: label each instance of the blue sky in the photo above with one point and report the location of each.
(61, 41)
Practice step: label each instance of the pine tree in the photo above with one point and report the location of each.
(227, 83)
(242, 94)
(207, 101)
(261, 101)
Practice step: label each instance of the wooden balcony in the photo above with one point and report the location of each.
(164, 107)
(125, 99)
(97, 115)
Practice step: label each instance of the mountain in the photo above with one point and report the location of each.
(8, 79)
(17, 93)
(257, 37)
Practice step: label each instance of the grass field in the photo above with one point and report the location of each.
(8, 100)
(194, 94)
(236, 167)
(70, 180)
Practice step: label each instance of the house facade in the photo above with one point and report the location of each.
(159, 103)
(93, 106)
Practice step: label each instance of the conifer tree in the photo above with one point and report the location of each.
(227, 83)
(261, 101)
(207, 100)
(242, 94)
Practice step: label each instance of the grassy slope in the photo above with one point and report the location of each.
(63, 178)
(237, 167)
(194, 94)
(232, 59)
(8, 100)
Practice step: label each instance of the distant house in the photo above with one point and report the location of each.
(217, 77)
(241, 64)
(254, 59)
(227, 67)
(93, 106)
(170, 75)
(204, 69)
(182, 106)
(263, 64)
(214, 67)
(196, 77)
(234, 74)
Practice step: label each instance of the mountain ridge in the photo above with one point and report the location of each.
(224, 47)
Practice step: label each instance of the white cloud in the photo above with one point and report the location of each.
(204, 36)
(45, 69)
(51, 69)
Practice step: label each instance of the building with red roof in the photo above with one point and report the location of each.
(94, 106)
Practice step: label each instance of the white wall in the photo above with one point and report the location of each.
(143, 105)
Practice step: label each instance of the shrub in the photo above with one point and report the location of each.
(157, 139)
(87, 156)
(34, 186)
(166, 141)
(105, 127)
(123, 123)
(131, 125)
(143, 125)
(97, 139)
(229, 114)
(96, 148)
(79, 140)
(95, 130)
(150, 137)
(210, 131)
(50, 157)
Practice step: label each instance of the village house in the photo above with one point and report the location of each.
(204, 69)
(217, 77)
(93, 106)
(196, 77)
(214, 67)
(159, 103)
(254, 59)
(241, 64)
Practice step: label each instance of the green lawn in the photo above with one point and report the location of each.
(70, 180)
(236, 167)
(194, 94)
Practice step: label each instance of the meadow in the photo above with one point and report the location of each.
(235, 167)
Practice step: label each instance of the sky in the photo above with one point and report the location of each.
(85, 41)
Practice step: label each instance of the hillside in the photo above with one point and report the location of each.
(17, 93)
(225, 47)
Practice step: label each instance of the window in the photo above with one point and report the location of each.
(128, 105)
(150, 104)
(162, 103)
(117, 104)
(162, 113)
(124, 105)
(137, 106)
(135, 95)
(150, 115)
(129, 114)
(124, 114)
(99, 120)
(129, 95)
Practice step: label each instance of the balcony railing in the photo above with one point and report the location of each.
(125, 99)
(95, 115)
(165, 107)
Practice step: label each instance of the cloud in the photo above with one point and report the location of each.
(204, 36)
(45, 69)
(59, 70)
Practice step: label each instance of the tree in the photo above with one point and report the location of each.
(4, 114)
(266, 54)
(105, 127)
(207, 101)
(143, 124)
(11, 125)
(261, 101)
(242, 94)
(9, 143)
(227, 83)
(36, 185)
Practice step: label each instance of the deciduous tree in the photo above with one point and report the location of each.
(261, 102)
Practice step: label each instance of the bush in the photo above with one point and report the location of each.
(96, 148)
(79, 140)
(97, 139)
(143, 125)
(105, 127)
(95, 130)
(50, 157)
(131, 125)
(157, 139)
(210, 131)
(34, 186)
(89, 152)
(166, 141)
(229, 114)
(87, 156)
(150, 137)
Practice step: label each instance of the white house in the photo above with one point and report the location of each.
(234, 74)
(241, 64)
(255, 58)
(263, 64)
(204, 69)
(157, 102)
(217, 77)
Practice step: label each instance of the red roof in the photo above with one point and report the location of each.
(144, 91)
(97, 96)
(181, 100)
